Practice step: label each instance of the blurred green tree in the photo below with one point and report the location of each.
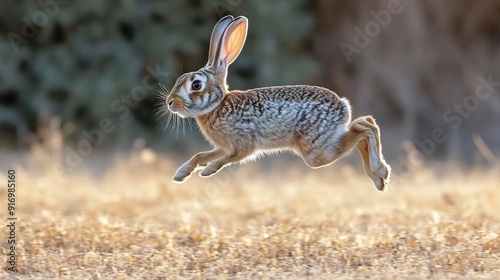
(85, 56)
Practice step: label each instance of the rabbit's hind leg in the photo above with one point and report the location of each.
(379, 181)
(333, 149)
(370, 150)
(198, 160)
(363, 134)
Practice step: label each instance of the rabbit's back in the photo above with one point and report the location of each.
(275, 117)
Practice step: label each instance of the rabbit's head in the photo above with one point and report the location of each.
(197, 93)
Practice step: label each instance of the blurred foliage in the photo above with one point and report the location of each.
(91, 53)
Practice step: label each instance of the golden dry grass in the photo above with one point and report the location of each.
(133, 223)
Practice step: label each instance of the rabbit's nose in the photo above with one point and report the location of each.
(170, 103)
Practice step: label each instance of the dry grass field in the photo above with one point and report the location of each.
(134, 223)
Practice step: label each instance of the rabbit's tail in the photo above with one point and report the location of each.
(346, 111)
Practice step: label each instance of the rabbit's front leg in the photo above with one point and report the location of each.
(198, 160)
(216, 165)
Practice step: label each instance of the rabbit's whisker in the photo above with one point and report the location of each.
(161, 109)
(173, 123)
(163, 112)
(169, 118)
(163, 90)
(177, 126)
(183, 128)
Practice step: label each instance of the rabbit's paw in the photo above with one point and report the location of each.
(384, 171)
(208, 171)
(181, 175)
(382, 180)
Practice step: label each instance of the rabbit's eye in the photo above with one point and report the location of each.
(196, 85)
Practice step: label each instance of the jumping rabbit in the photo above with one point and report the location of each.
(311, 121)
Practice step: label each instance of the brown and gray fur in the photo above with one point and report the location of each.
(311, 121)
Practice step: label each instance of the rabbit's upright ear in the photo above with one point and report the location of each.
(219, 28)
(231, 43)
